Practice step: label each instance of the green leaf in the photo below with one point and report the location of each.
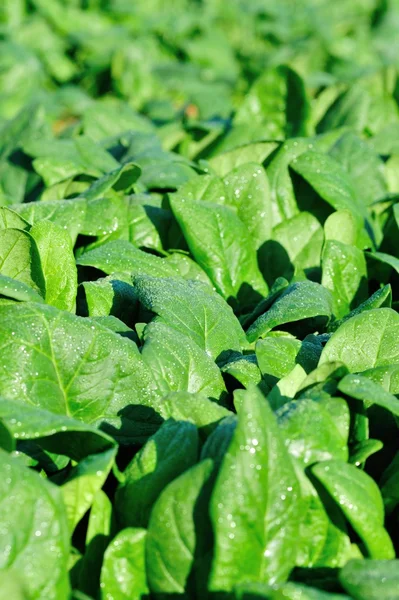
(194, 310)
(371, 579)
(34, 543)
(20, 259)
(366, 340)
(345, 275)
(363, 165)
(362, 388)
(58, 159)
(17, 290)
(54, 432)
(111, 295)
(380, 298)
(120, 179)
(253, 538)
(99, 530)
(9, 219)
(170, 452)
(197, 408)
(360, 500)
(120, 256)
(222, 246)
(329, 179)
(68, 214)
(84, 481)
(78, 369)
(302, 300)
(310, 433)
(123, 575)
(248, 192)
(278, 100)
(177, 363)
(172, 533)
(58, 264)
(277, 356)
(294, 248)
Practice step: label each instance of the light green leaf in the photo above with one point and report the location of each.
(345, 275)
(253, 538)
(77, 368)
(20, 259)
(177, 363)
(172, 533)
(222, 246)
(371, 579)
(123, 575)
(360, 500)
(84, 481)
(365, 341)
(302, 300)
(193, 309)
(34, 543)
(58, 264)
(170, 452)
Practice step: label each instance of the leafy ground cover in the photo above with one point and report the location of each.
(199, 329)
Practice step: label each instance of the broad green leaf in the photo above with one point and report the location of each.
(120, 179)
(227, 161)
(341, 226)
(172, 532)
(194, 310)
(177, 363)
(380, 298)
(20, 259)
(78, 369)
(68, 214)
(123, 575)
(248, 192)
(345, 275)
(277, 356)
(278, 100)
(253, 538)
(294, 248)
(300, 301)
(365, 341)
(9, 219)
(12, 289)
(329, 179)
(34, 543)
(371, 579)
(362, 388)
(58, 264)
(197, 408)
(387, 377)
(120, 256)
(360, 500)
(54, 432)
(309, 431)
(202, 187)
(244, 368)
(222, 246)
(56, 160)
(187, 268)
(82, 484)
(113, 295)
(170, 452)
(364, 167)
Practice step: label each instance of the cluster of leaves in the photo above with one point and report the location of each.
(199, 364)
